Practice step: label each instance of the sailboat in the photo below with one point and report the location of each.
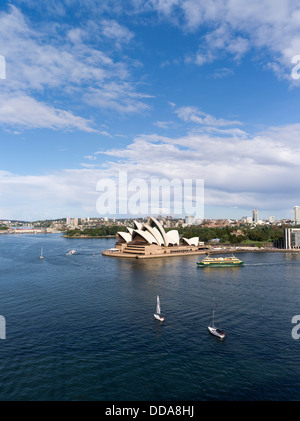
(214, 330)
(41, 256)
(158, 315)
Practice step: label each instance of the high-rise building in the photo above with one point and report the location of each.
(297, 215)
(189, 220)
(255, 216)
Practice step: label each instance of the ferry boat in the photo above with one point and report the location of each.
(220, 261)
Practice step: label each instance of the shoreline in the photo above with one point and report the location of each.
(121, 255)
(89, 236)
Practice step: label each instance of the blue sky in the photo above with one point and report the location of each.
(170, 89)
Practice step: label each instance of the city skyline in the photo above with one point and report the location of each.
(186, 220)
(168, 90)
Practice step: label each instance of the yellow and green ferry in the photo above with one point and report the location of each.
(220, 262)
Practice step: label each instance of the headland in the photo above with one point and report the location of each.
(149, 240)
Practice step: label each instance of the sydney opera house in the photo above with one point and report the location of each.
(151, 240)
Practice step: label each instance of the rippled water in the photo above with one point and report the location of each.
(81, 327)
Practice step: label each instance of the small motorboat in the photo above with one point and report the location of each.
(72, 252)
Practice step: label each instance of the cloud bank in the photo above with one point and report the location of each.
(260, 171)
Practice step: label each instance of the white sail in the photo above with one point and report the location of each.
(158, 306)
(215, 331)
(158, 315)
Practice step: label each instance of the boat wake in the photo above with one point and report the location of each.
(258, 264)
(268, 264)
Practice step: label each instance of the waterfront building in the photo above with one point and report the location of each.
(297, 215)
(292, 238)
(27, 231)
(151, 240)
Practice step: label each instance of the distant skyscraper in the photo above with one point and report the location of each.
(297, 215)
(189, 220)
(255, 216)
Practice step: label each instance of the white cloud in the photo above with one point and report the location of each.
(90, 157)
(116, 32)
(120, 97)
(50, 65)
(163, 124)
(236, 26)
(196, 116)
(105, 133)
(259, 171)
(246, 172)
(52, 195)
(19, 110)
(233, 27)
(64, 65)
(222, 73)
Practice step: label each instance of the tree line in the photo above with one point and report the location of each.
(228, 234)
(236, 234)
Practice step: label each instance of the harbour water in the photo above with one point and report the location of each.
(81, 327)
